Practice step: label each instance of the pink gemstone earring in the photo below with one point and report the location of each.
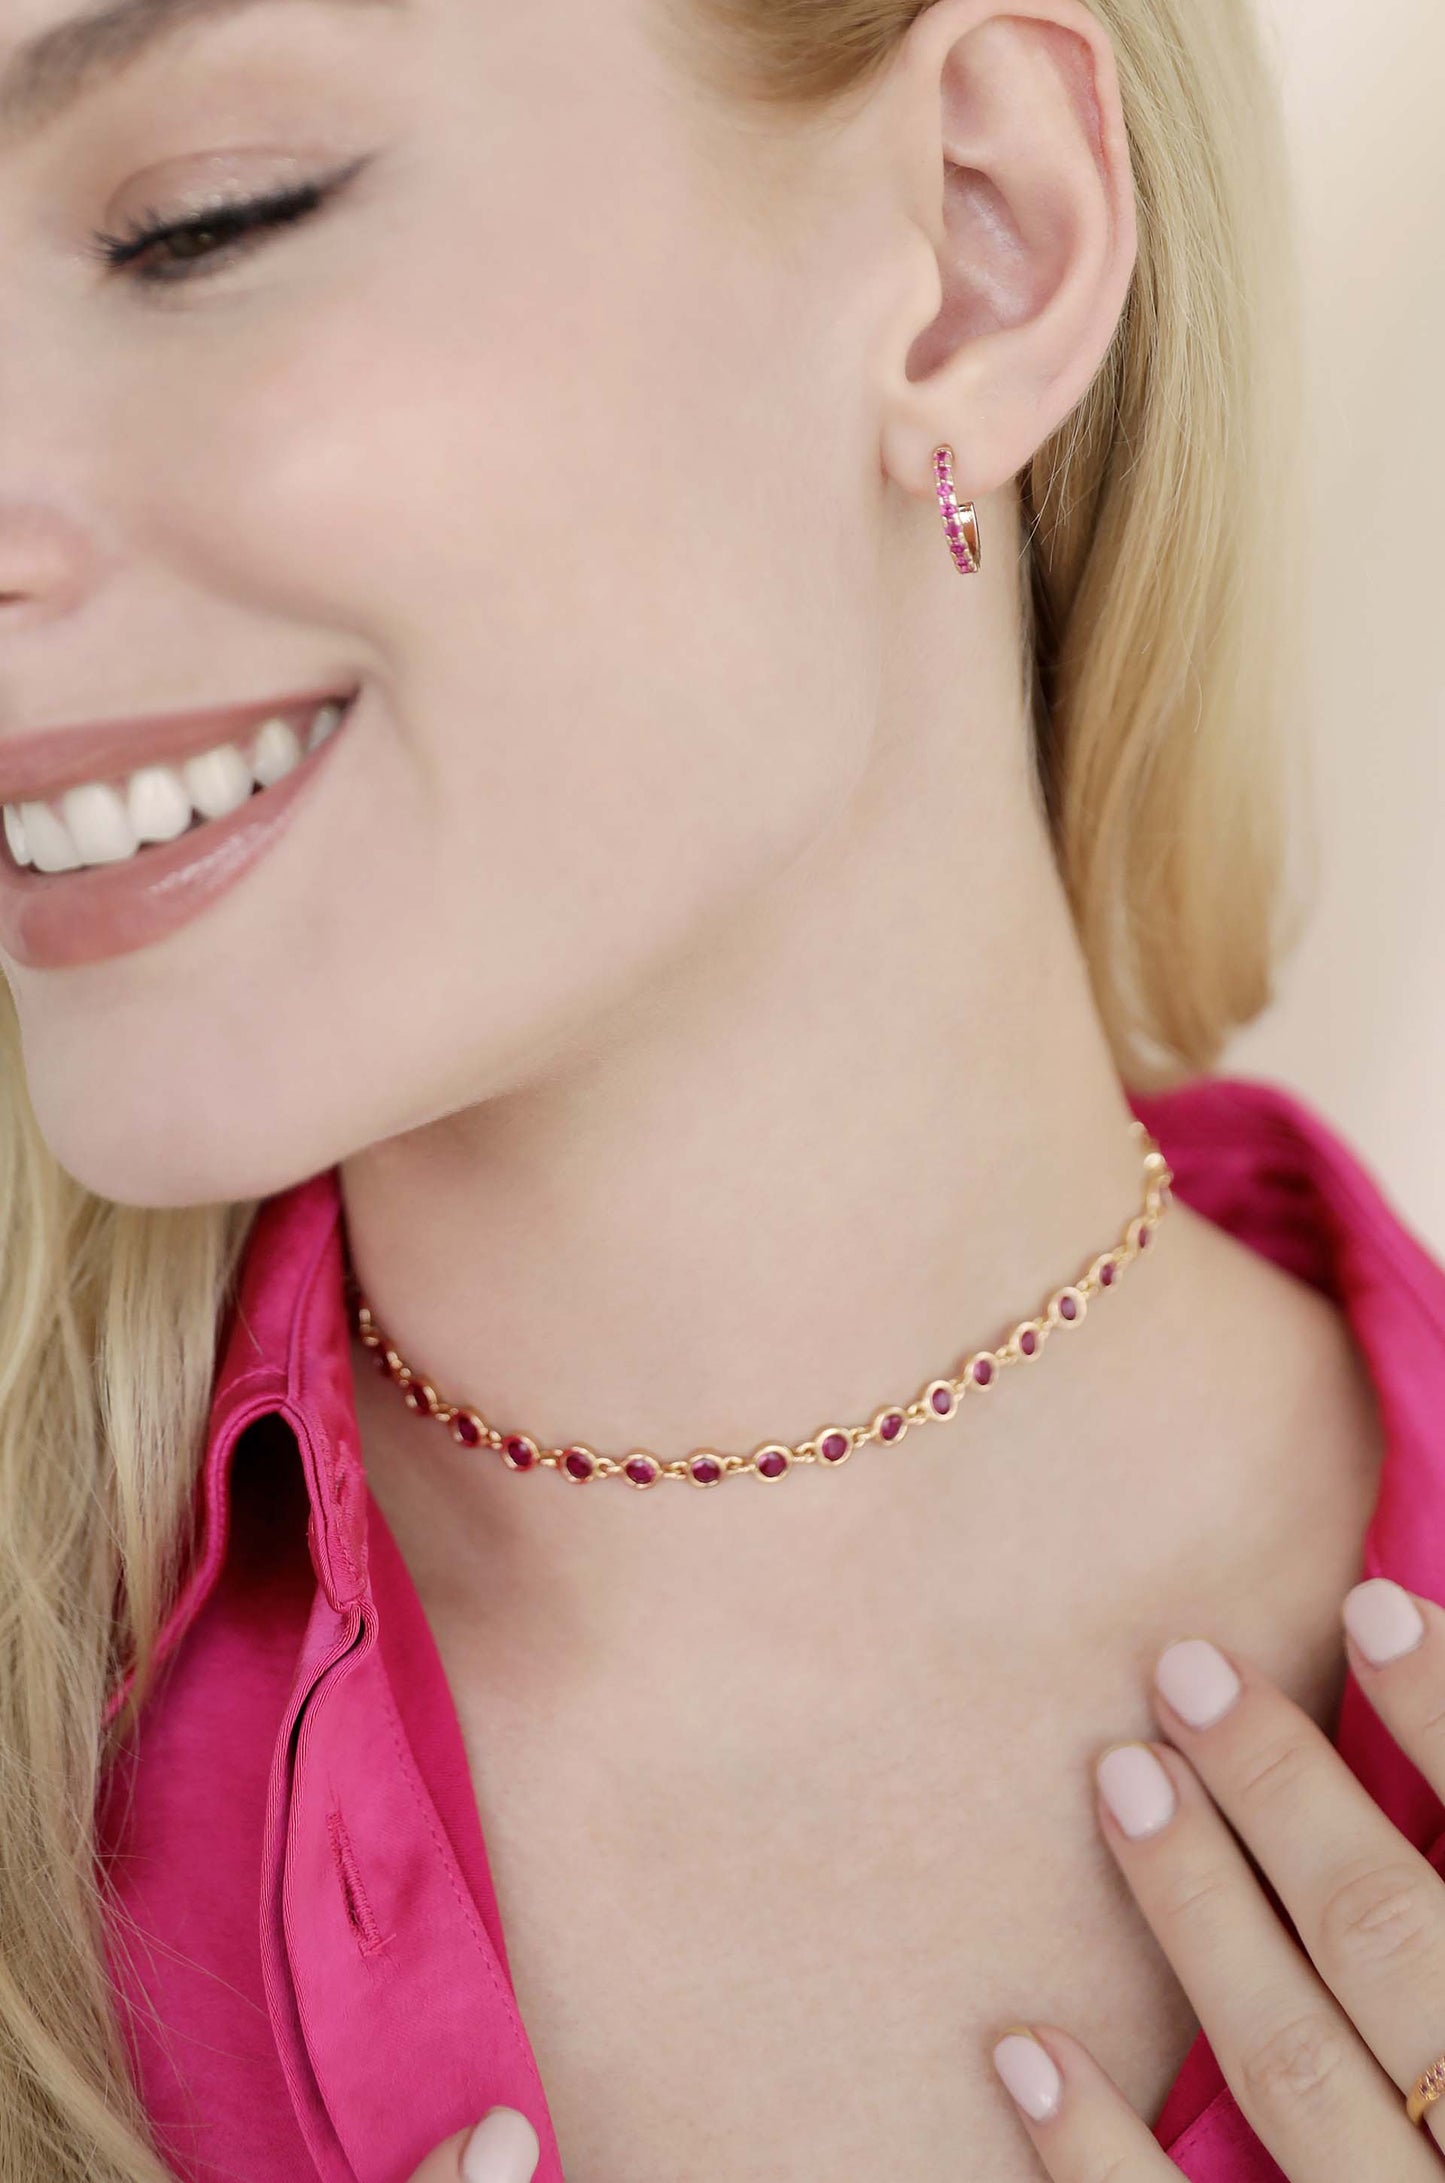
(960, 523)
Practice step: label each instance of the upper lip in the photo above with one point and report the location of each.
(38, 767)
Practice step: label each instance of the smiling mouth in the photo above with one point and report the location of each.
(102, 823)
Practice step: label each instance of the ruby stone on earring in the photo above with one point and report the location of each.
(960, 523)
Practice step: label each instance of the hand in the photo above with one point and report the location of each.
(503, 2148)
(1318, 2049)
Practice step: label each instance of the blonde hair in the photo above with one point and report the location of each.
(1162, 639)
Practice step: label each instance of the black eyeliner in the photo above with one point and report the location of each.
(228, 218)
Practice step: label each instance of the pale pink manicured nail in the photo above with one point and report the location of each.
(1030, 2073)
(1136, 1788)
(1197, 1680)
(502, 2149)
(1383, 1620)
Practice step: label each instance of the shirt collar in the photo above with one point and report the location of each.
(1277, 1176)
(284, 1348)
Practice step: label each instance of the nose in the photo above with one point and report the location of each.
(45, 562)
(56, 537)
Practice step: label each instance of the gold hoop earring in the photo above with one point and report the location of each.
(960, 523)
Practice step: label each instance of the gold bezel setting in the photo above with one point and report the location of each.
(831, 1445)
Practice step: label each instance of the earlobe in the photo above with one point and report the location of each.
(1017, 157)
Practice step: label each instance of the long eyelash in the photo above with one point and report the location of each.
(226, 221)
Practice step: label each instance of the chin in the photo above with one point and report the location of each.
(165, 1160)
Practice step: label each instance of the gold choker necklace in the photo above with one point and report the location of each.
(831, 1444)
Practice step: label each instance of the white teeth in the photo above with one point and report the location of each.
(158, 804)
(15, 835)
(99, 823)
(275, 752)
(102, 822)
(218, 781)
(48, 838)
(325, 723)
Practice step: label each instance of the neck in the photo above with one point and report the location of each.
(864, 1131)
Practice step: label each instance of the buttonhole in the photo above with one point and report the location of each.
(353, 1894)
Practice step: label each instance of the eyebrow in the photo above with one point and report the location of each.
(65, 62)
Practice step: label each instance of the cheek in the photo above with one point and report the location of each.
(603, 610)
(620, 663)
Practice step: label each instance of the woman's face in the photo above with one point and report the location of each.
(542, 432)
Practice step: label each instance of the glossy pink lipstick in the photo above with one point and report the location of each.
(57, 920)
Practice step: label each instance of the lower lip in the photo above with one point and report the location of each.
(57, 920)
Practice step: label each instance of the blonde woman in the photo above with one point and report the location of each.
(648, 655)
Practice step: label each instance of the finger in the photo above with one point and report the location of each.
(1367, 1905)
(1396, 1645)
(503, 2148)
(1081, 2124)
(1299, 2071)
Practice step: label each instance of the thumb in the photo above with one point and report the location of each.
(503, 2148)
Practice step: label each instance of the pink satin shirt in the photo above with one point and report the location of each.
(304, 1937)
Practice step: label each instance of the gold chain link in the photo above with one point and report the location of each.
(1067, 1306)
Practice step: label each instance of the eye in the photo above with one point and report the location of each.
(157, 252)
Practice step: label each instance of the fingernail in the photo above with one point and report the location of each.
(1136, 1788)
(504, 2148)
(1197, 1680)
(1383, 1620)
(1030, 2073)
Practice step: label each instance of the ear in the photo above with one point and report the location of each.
(1009, 136)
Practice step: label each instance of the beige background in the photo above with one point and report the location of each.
(1359, 1027)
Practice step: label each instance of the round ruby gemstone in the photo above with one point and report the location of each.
(641, 1469)
(773, 1464)
(1144, 1235)
(466, 1429)
(982, 1372)
(1028, 1341)
(891, 1426)
(1068, 1307)
(519, 1453)
(942, 1401)
(833, 1447)
(1106, 1274)
(705, 1469)
(578, 1463)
